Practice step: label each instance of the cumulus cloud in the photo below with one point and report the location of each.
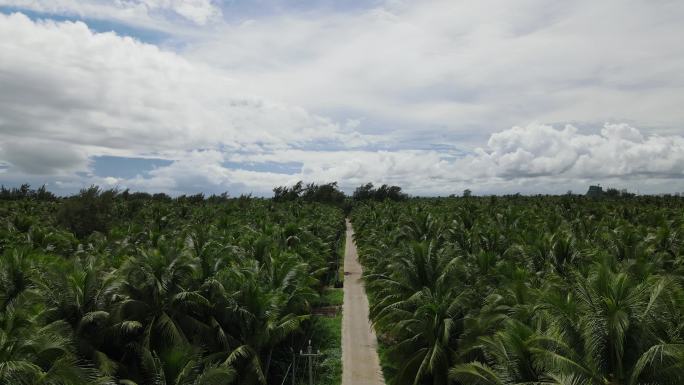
(106, 94)
(534, 158)
(619, 150)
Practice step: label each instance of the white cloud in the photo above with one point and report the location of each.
(106, 94)
(199, 11)
(468, 69)
(38, 157)
(534, 158)
(204, 171)
(418, 79)
(618, 151)
(141, 13)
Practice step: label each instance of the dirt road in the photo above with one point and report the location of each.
(360, 363)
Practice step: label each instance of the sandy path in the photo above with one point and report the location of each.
(360, 363)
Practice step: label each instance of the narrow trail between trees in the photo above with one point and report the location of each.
(360, 363)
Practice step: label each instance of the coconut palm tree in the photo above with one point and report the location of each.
(425, 337)
(509, 358)
(418, 307)
(616, 329)
(260, 308)
(156, 307)
(16, 276)
(79, 293)
(32, 354)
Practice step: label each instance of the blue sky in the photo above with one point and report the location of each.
(184, 96)
(121, 167)
(97, 25)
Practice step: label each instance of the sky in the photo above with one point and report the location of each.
(436, 96)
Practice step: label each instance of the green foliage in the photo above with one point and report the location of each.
(324, 193)
(25, 192)
(526, 290)
(327, 332)
(133, 288)
(368, 192)
(332, 297)
(87, 212)
(130, 288)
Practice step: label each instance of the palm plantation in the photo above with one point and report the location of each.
(548, 290)
(184, 291)
(133, 289)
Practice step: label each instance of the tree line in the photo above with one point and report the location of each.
(330, 193)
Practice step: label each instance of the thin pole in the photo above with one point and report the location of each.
(294, 367)
(288, 371)
(310, 355)
(308, 350)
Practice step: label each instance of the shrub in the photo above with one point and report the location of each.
(89, 211)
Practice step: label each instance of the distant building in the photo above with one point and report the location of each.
(595, 191)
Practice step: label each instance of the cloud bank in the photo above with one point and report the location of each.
(461, 70)
(543, 151)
